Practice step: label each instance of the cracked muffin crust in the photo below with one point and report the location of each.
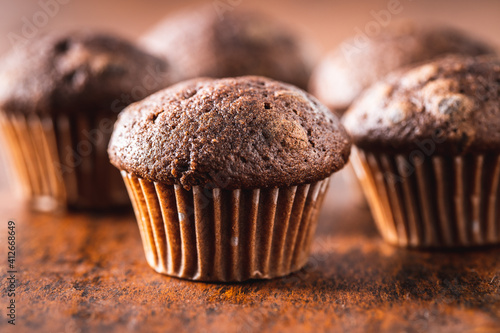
(454, 101)
(245, 132)
(344, 73)
(200, 43)
(80, 72)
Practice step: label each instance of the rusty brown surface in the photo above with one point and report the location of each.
(87, 273)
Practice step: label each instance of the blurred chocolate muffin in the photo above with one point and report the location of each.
(59, 98)
(203, 43)
(227, 176)
(428, 152)
(361, 61)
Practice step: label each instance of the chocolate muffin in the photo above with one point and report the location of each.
(59, 98)
(227, 176)
(428, 152)
(361, 61)
(205, 43)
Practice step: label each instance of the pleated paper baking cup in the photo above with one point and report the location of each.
(62, 161)
(438, 201)
(225, 235)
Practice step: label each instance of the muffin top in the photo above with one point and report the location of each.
(205, 43)
(78, 72)
(359, 62)
(244, 132)
(451, 105)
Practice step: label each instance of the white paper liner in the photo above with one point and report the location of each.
(225, 235)
(42, 150)
(439, 201)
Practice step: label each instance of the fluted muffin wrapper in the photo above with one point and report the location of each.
(225, 235)
(59, 163)
(432, 202)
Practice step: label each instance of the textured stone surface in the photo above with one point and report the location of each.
(81, 273)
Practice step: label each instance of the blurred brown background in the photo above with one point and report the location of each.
(327, 22)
